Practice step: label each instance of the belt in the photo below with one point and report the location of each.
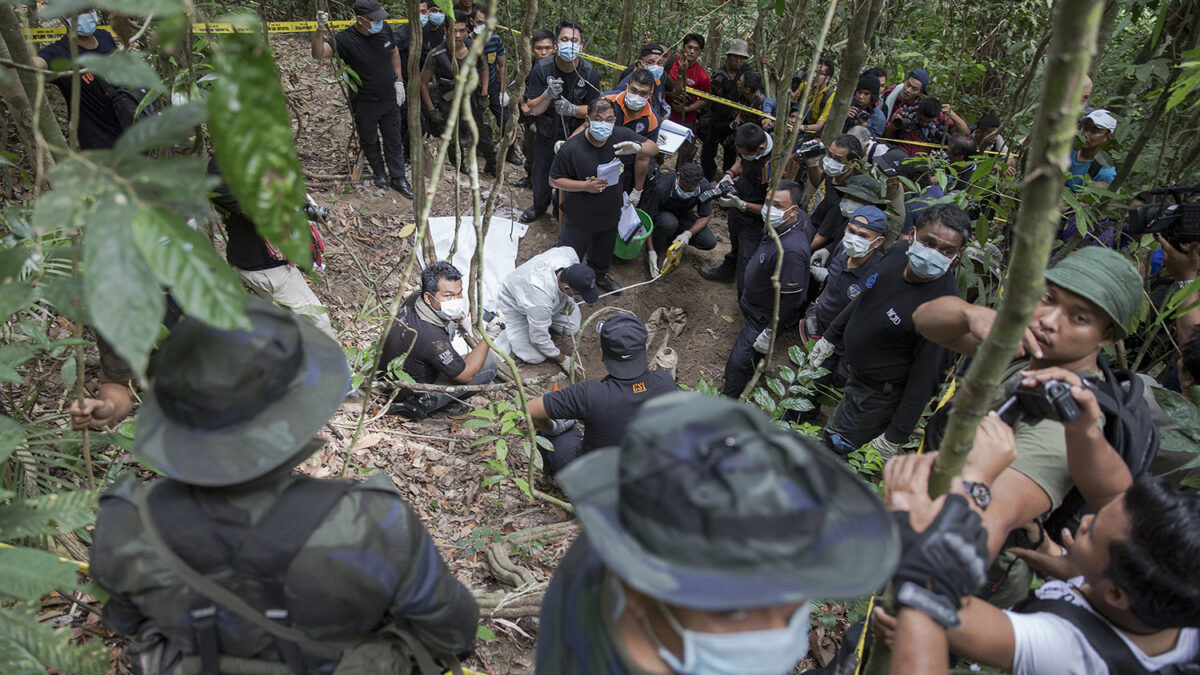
(872, 383)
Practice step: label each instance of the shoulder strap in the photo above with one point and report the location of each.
(288, 524)
(1100, 635)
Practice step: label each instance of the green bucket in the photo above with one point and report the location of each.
(633, 248)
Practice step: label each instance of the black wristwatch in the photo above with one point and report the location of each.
(979, 493)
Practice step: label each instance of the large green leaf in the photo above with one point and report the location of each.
(49, 514)
(14, 355)
(171, 126)
(125, 301)
(178, 184)
(121, 68)
(252, 135)
(28, 574)
(1182, 411)
(15, 296)
(12, 435)
(28, 647)
(66, 295)
(205, 286)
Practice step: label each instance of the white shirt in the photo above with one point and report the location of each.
(1047, 644)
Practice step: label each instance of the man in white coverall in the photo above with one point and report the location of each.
(535, 299)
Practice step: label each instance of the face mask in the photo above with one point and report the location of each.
(424, 20)
(926, 262)
(634, 101)
(776, 217)
(756, 652)
(848, 206)
(600, 130)
(85, 24)
(376, 26)
(832, 167)
(452, 309)
(437, 18)
(856, 246)
(479, 29)
(568, 51)
(685, 195)
(656, 71)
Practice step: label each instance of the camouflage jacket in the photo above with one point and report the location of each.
(370, 562)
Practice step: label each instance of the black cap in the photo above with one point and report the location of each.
(582, 279)
(890, 161)
(369, 9)
(623, 343)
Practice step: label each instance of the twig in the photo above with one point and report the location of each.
(463, 388)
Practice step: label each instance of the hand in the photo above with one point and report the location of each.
(595, 185)
(683, 238)
(1050, 559)
(436, 119)
(726, 179)
(1182, 263)
(94, 413)
(557, 145)
(559, 427)
(635, 196)
(820, 351)
(762, 343)
(627, 148)
(496, 325)
(994, 449)
(886, 449)
(322, 20)
(554, 87)
(945, 562)
(818, 274)
(569, 364)
(820, 258)
(946, 109)
(504, 99)
(565, 108)
(851, 113)
(1089, 407)
(906, 487)
(401, 94)
(732, 202)
(979, 324)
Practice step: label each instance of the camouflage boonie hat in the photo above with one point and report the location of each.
(707, 504)
(226, 407)
(863, 189)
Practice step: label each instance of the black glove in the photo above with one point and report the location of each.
(437, 121)
(942, 564)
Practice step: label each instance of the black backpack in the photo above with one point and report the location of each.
(125, 102)
(1103, 638)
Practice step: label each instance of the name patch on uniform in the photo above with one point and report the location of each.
(853, 291)
(893, 316)
(446, 357)
(639, 388)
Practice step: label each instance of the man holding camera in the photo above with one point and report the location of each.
(864, 109)
(827, 169)
(929, 122)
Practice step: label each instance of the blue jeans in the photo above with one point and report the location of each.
(431, 401)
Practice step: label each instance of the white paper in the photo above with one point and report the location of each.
(630, 224)
(671, 136)
(610, 172)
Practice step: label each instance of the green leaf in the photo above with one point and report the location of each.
(1192, 482)
(492, 480)
(544, 443)
(498, 467)
(797, 356)
(66, 295)
(171, 126)
(252, 134)
(13, 356)
(477, 423)
(524, 485)
(446, 6)
(122, 68)
(788, 374)
(726, 318)
(15, 296)
(28, 574)
(763, 400)
(184, 260)
(776, 387)
(68, 373)
(484, 633)
(47, 515)
(29, 647)
(1179, 409)
(12, 435)
(501, 450)
(122, 294)
(159, 8)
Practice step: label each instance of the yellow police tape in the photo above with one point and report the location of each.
(51, 34)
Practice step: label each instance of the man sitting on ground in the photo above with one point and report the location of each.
(679, 214)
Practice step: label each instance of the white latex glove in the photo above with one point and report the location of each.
(401, 94)
(627, 148)
(818, 274)
(732, 202)
(762, 343)
(558, 427)
(727, 179)
(635, 196)
(322, 20)
(504, 99)
(565, 108)
(886, 448)
(554, 87)
(820, 351)
(558, 145)
(496, 325)
(568, 364)
(652, 264)
(684, 238)
(820, 258)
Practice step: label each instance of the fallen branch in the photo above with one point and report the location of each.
(463, 388)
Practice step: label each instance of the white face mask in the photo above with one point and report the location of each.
(856, 246)
(756, 652)
(848, 206)
(479, 29)
(453, 308)
(832, 167)
(634, 101)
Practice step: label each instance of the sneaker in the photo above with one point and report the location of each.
(407, 410)
(531, 214)
(716, 273)
(522, 182)
(609, 284)
(452, 410)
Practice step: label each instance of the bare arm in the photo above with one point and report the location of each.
(815, 174)
(321, 49)
(475, 361)
(700, 224)
(960, 326)
(986, 635)
(39, 62)
(112, 404)
(397, 65)
(426, 79)
(535, 106)
(485, 80)
(541, 419)
(1183, 264)
(1016, 500)
(502, 71)
(920, 645)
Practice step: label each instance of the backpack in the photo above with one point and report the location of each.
(1099, 163)
(1103, 638)
(125, 102)
(265, 554)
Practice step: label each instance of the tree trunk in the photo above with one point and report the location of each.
(10, 32)
(1149, 128)
(712, 45)
(876, 13)
(413, 103)
(1112, 9)
(625, 34)
(853, 57)
(20, 110)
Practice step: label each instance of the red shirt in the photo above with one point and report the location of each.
(697, 78)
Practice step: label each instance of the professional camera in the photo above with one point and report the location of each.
(811, 148)
(1050, 400)
(906, 122)
(1176, 215)
(862, 117)
(316, 214)
(718, 190)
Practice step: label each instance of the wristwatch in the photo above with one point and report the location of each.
(979, 493)
(1181, 284)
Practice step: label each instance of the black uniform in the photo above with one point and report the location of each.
(745, 228)
(430, 353)
(757, 301)
(590, 220)
(580, 86)
(673, 214)
(99, 125)
(894, 371)
(605, 407)
(713, 123)
(439, 63)
(374, 104)
(827, 216)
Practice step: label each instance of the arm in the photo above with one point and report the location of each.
(820, 241)
(474, 361)
(397, 65)
(960, 125)
(929, 364)
(320, 48)
(815, 174)
(39, 62)
(537, 410)
(700, 224)
(1016, 500)
(836, 331)
(986, 635)
(485, 79)
(960, 326)
(426, 79)
(1183, 264)
(112, 404)
(920, 645)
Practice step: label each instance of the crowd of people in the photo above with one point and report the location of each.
(708, 530)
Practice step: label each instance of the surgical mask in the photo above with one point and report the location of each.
(376, 26)
(479, 29)
(85, 24)
(424, 20)
(568, 51)
(437, 18)
(775, 218)
(848, 206)
(832, 167)
(634, 101)
(755, 652)
(686, 195)
(453, 308)
(600, 130)
(856, 246)
(927, 263)
(656, 71)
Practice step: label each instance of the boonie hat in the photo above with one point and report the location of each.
(582, 279)
(738, 48)
(1102, 119)
(229, 406)
(370, 9)
(1104, 277)
(876, 220)
(706, 504)
(863, 189)
(623, 344)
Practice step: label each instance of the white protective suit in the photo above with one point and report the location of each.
(533, 305)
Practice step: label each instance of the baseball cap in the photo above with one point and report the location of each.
(923, 77)
(582, 279)
(1105, 278)
(1101, 118)
(738, 48)
(623, 344)
(370, 9)
(890, 161)
(651, 48)
(876, 220)
(707, 504)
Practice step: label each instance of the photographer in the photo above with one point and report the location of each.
(865, 110)
(826, 169)
(929, 122)
(681, 206)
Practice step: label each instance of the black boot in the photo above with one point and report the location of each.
(513, 158)
(380, 180)
(716, 273)
(522, 182)
(400, 184)
(609, 284)
(531, 214)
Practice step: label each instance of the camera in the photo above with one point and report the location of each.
(906, 122)
(1050, 400)
(316, 214)
(862, 117)
(811, 148)
(1174, 216)
(718, 190)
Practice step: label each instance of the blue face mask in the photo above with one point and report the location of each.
(568, 51)
(600, 130)
(927, 263)
(376, 26)
(756, 652)
(656, 71)
(686, 195)
(85, 24)
(437, 18)
(424, 20)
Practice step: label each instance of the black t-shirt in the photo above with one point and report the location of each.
(440, 64)
(606, 406)
(99, 126)
(371, 57)
(843, 285)
(665, 199)
(428, 345)
(577, 160)
(758, 293)
(580, 86)
(245, 249)
(752, 186)
(827, 216)
(723, 85)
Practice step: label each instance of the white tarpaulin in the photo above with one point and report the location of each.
(499, 250)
